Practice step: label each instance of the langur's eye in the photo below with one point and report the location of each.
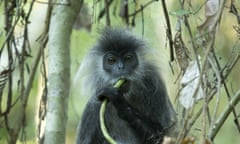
(129, 57)
(111, 60)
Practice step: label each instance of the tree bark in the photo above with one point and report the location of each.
(62, 18)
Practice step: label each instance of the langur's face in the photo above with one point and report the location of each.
(120, 64)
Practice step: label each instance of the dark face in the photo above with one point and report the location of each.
(120, 65)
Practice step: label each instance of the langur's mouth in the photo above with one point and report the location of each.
(120, 82)
(125, 80)
(123, 84)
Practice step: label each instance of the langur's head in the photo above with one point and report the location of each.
(120, 55)
(117, 55)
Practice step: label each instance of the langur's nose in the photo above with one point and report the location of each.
(120, 66)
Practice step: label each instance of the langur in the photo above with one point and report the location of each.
(139, 112)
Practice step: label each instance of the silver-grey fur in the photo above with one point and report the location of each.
(147, 92)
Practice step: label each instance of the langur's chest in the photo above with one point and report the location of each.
(118, 128)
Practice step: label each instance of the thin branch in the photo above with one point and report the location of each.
(234, 58)
(142, 16)
(169, 30)
(218, 78)
(234, 10)
(227, 93)
(108, 22)
(200, 82)
(219, 68)
(103, 11)
(43, 39)
(52, 3)
(224, 115)
(25, 91)
(142, 8)
(124, 11)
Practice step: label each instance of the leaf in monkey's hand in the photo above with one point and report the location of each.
(119, 83)
(211, 9)
(106, 135)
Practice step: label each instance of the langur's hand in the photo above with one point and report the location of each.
(109, 93)
(115, 96)
(124, 88)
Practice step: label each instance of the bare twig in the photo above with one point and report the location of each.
(228, 94)
(103, 11)
(108, 22)
(217, 73)
(234, 10)
(53, 3)
(142, 15)
(142, 8)
(194, 46)
(169, 30)
(234, 58)
(224, 115)
(219, 67)
(211, 88)
(124, 11)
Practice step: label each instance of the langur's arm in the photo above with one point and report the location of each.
(143, 125)
(89, 128)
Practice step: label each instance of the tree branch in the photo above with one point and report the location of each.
(224, 115)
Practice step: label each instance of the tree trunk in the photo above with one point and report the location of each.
(62, 18)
